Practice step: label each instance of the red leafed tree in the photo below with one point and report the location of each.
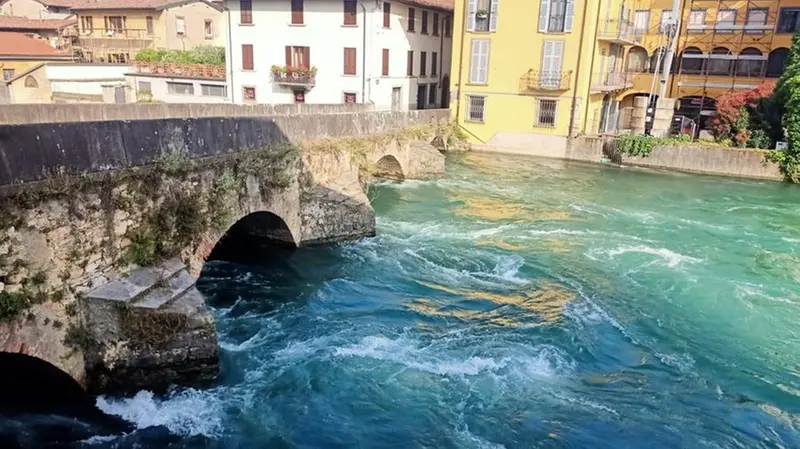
(734, 113)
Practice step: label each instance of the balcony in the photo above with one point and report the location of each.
(115, 39)
(612, 81)
(546, 80)
(294, 76)
(617, 31)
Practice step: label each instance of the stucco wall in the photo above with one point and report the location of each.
(194, 15)
(32, 10)
(159, 89)
(326, 36)
(21, 94)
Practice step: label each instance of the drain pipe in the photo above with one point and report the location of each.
(578, 76)
(461, 61)
(594, 51)
(229, 58)
(363, 54)
(441, 55)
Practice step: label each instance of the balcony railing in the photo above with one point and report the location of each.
(612, 81)
(112, 39)
(294, 76)
(546, 80)
(116, 33)
(617, 31)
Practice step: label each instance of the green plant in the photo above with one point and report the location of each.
(204, 54)
(760, 139)
(78, 337)
(642, 146)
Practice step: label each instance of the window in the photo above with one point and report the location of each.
(118, 58)
(692, 61)
(249, 94)
(180, 88)
(641, 22)
(247, 57)
(31, 82)
(298, 57)
(87, 23)
(666, 19)
(8, 74)
(479, 64)
(297, 12)
(788, 20)
(349, 97)
(432, 94)
(115, 24)
(637, 60)
(349, 61)
(246, 17)
(209, 28)
(558, 13)
(435, 24)
(410, 63)
(434, 62)
(214, 90)
(756, 20)
(180, 26)
(776, 63)
(411, 18)
(448, 27)
(476, 106)
(552, 55)
(385, 63)
(424, 22)
(555, 16)
(145, 87)
(423, 63)
(546, 113)
(726, 20)
(149, 24)
(697, 20)
(299, 95)
(719, 62)
(750, 62)
(350, 12)
(387, 15)
(482, 14)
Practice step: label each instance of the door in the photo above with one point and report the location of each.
(397, 93)
(422, 95)
(551, 64)
(119, 95)
(445, 92)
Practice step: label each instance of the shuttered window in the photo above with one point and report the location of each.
(423, 63)
(493, 7)
(552, 55)
(349, 61)
(297, 12)
(410, 63)
(385, 63)
(556, 16)
(435, 24)
(350, 12)
(448, 27)
(424, 22)
(479, 63)
(412, 13)
(245, 11)
(298, 57)
(247, 57)
(434, 62)
(387, 15)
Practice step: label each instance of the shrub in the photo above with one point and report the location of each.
(204, 54)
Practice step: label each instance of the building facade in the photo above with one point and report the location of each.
(19, 52)
(59, 33)
(38, 9)
(177, 83)
(115, 30)
(390, 54)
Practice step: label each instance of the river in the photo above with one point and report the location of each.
(516, 303)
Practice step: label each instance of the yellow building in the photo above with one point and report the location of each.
(115, 30)
(19, 52)
(534, 72)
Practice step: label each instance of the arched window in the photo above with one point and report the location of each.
(750, 63)
(657, 60)
(692, 61)
(719, 61)
(31, 82)
(777, 62)
(637, 60)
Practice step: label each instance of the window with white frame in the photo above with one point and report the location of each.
(756, 21)
(482, 15)
(476, 108)
(552, 55)
(666, 19)
(479, 63)
(556, 16)
(209, 29)
(145, 88)
(180, 88)
(641, 22)
(697, 20)
(546, 113)
(180, 25)
(214, 90)
(726, 20)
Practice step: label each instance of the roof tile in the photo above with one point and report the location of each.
(24, 23)
(18, 44)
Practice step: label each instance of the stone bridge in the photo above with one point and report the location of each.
(106, 225)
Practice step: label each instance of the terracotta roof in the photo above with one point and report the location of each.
(59, 3)
(18, 44)
(24, 23)
(445, 5)
(132, 4)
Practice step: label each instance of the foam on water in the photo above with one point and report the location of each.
(670, 258)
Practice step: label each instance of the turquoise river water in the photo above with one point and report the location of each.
(516, 303)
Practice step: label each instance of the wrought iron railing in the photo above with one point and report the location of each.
(611, 81)
(618, 30)
(546, 80)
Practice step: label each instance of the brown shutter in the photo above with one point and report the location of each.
(435, 24)
(297, 11)
(410, 63)
(387, 15)
(350, 12)
(349, 61)
(423, 63)
(424, 22)
(411, 18)
(307, 57)
(288, 56)
(434, 62)
(247, 57)
(245, 11)
(385, 68)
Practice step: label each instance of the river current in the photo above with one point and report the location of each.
(516, 303)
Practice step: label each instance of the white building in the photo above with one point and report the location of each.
(388, 53)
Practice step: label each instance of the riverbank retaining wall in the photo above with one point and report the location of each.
(691, 158)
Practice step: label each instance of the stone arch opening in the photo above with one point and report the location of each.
(252, 232)
(389, 167)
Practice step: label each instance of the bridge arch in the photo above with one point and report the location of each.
(389, 167)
